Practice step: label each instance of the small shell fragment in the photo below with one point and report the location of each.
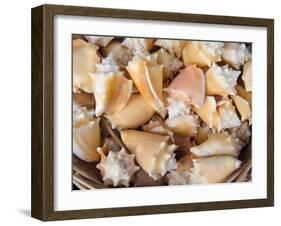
(171, 64)
(243, 107)
(136, 113)
(148, 78)
(85, 58)
(247, 75)
(117, 168)
(86, 134)
(174, 47)
(244, 94)
(221, 80)
(217, 144)
(152, 151)
(99, 40)
(189, 86)
(235, 54)
(213, 169)
(202, 54)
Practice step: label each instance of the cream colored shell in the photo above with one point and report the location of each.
(247, 75)
(84, 58)
(152, 151)
(174, 47)
(99, 40)
(86, 134)
(138, 44)
(213, 169)
(202, 54)
(243, 107)
(148, 78)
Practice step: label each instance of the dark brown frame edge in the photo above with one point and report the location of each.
(42, 202)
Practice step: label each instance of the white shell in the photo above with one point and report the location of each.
(236, 54)
(117, 168)
(138, 44)
(177, 108)
(174, 47)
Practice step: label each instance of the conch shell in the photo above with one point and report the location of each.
(117, 168)
(99, 40)
(172, 46)
(189, 86)
(86, 134)
(247, 75)
(177, 108)
(217, 144)
(134, 114)
(171, 64)
(120, 53)
(85, 58)
(202, 134)
(111, 89)
(213, 169)
(202, 54)
(243, 107)
(221, 80)
(241, 134)
(138, 44)
(244, 94)
(235, 54)
(153, 153)
(181, 175)
(148, 78)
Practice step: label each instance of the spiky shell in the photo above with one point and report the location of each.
(117, 168)
(153, 153)
(221, 80)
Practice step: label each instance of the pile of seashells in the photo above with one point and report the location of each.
(160, 112)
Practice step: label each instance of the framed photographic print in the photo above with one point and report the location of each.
(141, 112)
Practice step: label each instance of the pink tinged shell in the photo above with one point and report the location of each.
(189, 86)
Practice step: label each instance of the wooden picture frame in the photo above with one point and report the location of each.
(43, 112)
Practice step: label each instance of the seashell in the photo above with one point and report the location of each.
(141, 179)
(227, 117)
(181, 175)
(207, 111)
(99, 40)
(153, 153)
(171, 64)
(184, 125)
(244, 94)
(111, 89)
(217, 144)
(86, 134)
(148, 78)
(84, 99)
(121, 54)
(174, 47)
(134, 114)
(243, 107)
(202, 134)
(87, 53)
(138, 44)
(189, 86)
(241, 134)
(213, 169)
(202, 54)
(117, 168)
(247, 75)
(177, 108)
(221, 80)
(235, 54)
